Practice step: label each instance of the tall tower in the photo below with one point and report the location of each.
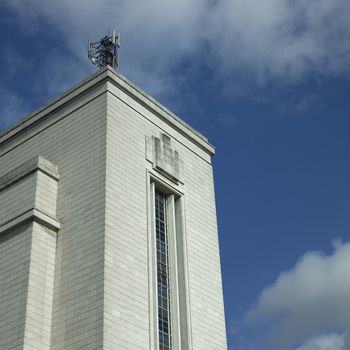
(108, 234)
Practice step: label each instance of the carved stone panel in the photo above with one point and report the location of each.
(166, 158)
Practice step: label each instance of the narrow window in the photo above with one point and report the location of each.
(170, 318)
(163, 278)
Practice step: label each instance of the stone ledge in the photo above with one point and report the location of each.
(26, 169)
(31, 215)
(102, 76)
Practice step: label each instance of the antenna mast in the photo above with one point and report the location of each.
(105, 51)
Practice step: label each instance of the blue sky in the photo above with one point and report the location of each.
(268, 83)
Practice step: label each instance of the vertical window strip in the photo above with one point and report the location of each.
(163, 282)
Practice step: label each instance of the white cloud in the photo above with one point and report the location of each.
(156, 35)
(332, 341)
(274, 38)
(310, 299)
(283, 38)
(165, 44)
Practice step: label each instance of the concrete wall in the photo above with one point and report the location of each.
(28, 227)
(127, 299)
(126, 250)
(14, 272)
(99, 136)
(72, 137)
(37, 334)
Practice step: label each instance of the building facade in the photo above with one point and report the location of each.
(108, 233)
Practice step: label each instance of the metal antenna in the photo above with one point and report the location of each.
(105, 51)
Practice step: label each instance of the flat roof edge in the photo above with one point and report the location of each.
(47, 108)
(157, 108)
(108, 74)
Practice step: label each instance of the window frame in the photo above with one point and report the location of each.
(178, 261)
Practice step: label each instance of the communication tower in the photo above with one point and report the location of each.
(105, 51)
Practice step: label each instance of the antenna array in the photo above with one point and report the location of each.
(105, 51)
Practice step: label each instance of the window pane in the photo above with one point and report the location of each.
(163, 289)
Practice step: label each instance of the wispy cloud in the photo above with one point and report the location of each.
(283, 38)
(271, 39)
(331, 341)
(165, 43)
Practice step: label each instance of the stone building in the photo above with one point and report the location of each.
(108, 234)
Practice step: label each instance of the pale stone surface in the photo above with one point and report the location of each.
(14, 272)
(75, 143)
(166, 158)
(96, 274)
(28, 196)
(37, 334)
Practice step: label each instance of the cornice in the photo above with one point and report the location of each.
(102, 76)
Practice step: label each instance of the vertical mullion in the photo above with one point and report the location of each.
(154, 339)
(173, 272)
